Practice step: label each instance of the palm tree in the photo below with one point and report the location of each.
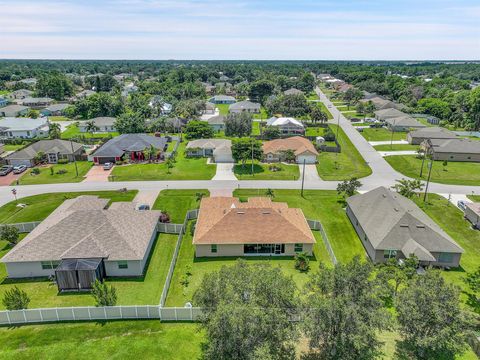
(54, 130)
(90, 127)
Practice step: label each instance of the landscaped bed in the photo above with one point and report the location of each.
(184, 169)
(459, 173)
(262, 171)
(382, 134)
(59, 176)
(344, 165)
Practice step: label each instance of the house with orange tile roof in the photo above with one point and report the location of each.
(304, 150)
(228, 227)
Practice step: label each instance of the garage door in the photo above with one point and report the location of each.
(223, 159)
(309, 159)
(17, 162)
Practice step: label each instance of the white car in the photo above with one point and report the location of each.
(19, 169)
(107, 166)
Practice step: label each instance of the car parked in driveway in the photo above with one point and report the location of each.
(5, 170)
(19, 169)
(144, 207)
(107, 166)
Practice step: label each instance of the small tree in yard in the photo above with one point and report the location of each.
(288, 155)
(302, 262)
(271, 132)
(9, 234)
(348, 188)
(15, 299)
(473, 281)
(104, 295)
(408, 188)
(198, 130)
(391, 274)
(270, 193)
(445, 163)
(243, 148)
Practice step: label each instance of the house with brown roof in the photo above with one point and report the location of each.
(118, 237)
(304, 150)
(259, 227)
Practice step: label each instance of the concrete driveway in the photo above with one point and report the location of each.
(224, 172)
(311, 173)
(97, 174)
(400, 152)
(395, 142)
(146, 197)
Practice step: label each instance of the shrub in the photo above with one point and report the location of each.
(302, 262)
(329, 135)
(15, 299)
(9, 233)
(61, 171)
(164, 217)
(62, 161)
(35, 171)
(104, 295)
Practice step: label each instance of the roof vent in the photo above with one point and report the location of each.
(241, 212)
(384, 195)
(265, 212)
(420, 226)
(404, 225)
(396, 209)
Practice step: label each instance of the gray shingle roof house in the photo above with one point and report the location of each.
(217, 122)
(20, 94)
(222, 99)
(129, 145)
(54, 150)
(54, 110)
(245, 106)
(219, 149)
(104, 124)
(454, 149)
(37, 102)
(392, 226)
(293, 91)
(418, 136)
(403, 123)
(13, 110)
(83, 228)
(23, 128)
(385, 114)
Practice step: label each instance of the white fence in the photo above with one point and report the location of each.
(88, 313)
(169, 228)
(25, 227)
(317, 225)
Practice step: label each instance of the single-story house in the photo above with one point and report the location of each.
(23, 128)
(209, 109)
(222, 99)
(392, 226)
(403, 123)
(84, 94)
(287, 125)
(228, 227)
(453, 149)
(83, 228)
(103, 124)
(472, 213)
(3, 102)
(54, 110)
(29, 81)
(244, 106)
(293, 91)
(175, 124)
(381, 103)
(54, 150)
(418, 136)
(219, 149)
(385, 114)
(303, 149)
(20, 94)
(14, 110)
(37, 102)
(217, 122)
(224, 78)
(343, 88)
(165, 108)
(128, 146)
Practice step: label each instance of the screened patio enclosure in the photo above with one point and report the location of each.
(79, 274)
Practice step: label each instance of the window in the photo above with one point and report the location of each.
(298, 248)
(213, 249)
(445, 257)
(387, 254)
(49, 265)
(122, 264)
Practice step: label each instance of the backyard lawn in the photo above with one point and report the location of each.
(46, 177)
(73, 132)
(262, 171)
(143, 339)
(11, 147)
(256, 127)
(177, 202)
(396, 147)
(262, 115)
(184, 169)
(223, 108)
(321, 205)
(382, 134)
(460, 173)
(344, 165)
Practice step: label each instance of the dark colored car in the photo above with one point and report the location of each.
(5, 170)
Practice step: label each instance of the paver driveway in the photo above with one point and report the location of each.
(97, 174)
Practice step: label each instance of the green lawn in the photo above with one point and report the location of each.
(312, 96)
(262, 115)
(184, 169)
(396, 147)
(40, 206)
(177, 202)
(262, 171)
(325, 110)
(46, 177)
(223, 108)
(143, 339)
(450, 219)
(344, 165)
(58, 118)
(321, 205)
(10, 147)
(256, 128)
(382, 134)
(460, 173)
(73, 131)
(475, 198)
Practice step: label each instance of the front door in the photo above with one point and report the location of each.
(278, 249)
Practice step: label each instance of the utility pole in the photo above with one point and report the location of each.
(303, 176)
(74, 159)
(252, 156)
(423, 161)
(393, 131)
(430, 166)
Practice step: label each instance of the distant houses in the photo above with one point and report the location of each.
(23, 128)
(287, 125)
(217, 122)
(244, 106)
(416, 137)
(293, 91)
(397, 120)
(392, 226)
(465, 150)
(14, 110)
(222, 99)
(54, 110)
(3, 102)
(37, 103)
(102, 124)
(20, 94)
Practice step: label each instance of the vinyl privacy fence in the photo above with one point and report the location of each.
(317, 225)
(24, 227)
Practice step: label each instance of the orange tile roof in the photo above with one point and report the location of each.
(298, 144)
(226, 220)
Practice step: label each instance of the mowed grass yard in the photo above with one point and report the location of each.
(143, 339)
(382, 134)
(177, 202)
(46, 177)
(263, 171)
(321, 205)
(184, 169)
(73, 132)
(344, 165)
(459, 173)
